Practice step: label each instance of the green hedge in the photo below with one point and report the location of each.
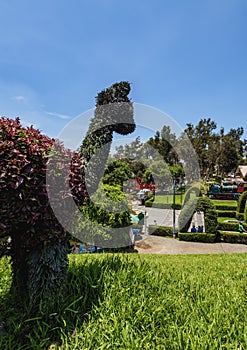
(231, 237)
(241, 202)
(197, 237)
(224, 207)
(226, 213)
(152, 204)
(210, 214)
(245, 212)
(160, 230)
(240, 216)
(230, 226)
(149, 202)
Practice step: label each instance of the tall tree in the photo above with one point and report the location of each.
(201, 137)
(116, 173)
(230, 151)
(164, 142)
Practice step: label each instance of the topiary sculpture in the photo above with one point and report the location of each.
(39, 243)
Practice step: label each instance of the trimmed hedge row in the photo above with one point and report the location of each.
(197, 237)
(227, 213)
(240, 216)
(230, 226)
(226, 237)
(154, 230)
(149, 203)
(225, 207)
(232, 237)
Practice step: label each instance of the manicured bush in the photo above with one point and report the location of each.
(160, 230)
(245, 212)
(240, 216)
(230, 226)
(226, 213)
(224, 207)
(210, 215)
(105, 218)
(197, 237)
(149, 203)
(241, 202)
(233, 237)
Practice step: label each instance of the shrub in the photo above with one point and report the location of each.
(160, 230)
(149, 203)
(240, 216)
(197, 237)
(241, 202)
(245, 212)
(232, 237)
(26, 214)
(226, 213)
(105, 218)
(223, 207)
(230, 226)
(210, 214)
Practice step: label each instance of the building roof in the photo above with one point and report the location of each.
(242, 171)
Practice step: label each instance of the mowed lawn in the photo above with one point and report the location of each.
(168, 199)
(131, 301)
(229, 203)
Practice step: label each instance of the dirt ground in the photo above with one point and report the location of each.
(146, 244)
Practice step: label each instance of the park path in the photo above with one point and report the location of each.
(162, 245)
(156, 216)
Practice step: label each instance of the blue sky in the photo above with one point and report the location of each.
(186, 58)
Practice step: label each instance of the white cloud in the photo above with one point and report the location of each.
(18, 98)
(58, 115)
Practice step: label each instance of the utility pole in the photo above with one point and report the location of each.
(174, 210)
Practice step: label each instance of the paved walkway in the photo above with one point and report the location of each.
(156, 216)
(162, 245)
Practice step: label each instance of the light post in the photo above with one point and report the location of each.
(174, 210)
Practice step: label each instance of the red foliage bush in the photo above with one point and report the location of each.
(25, 212)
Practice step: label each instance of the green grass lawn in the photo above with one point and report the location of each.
(168, 199)
(224, 219)
(131, 301)
(222, 202)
